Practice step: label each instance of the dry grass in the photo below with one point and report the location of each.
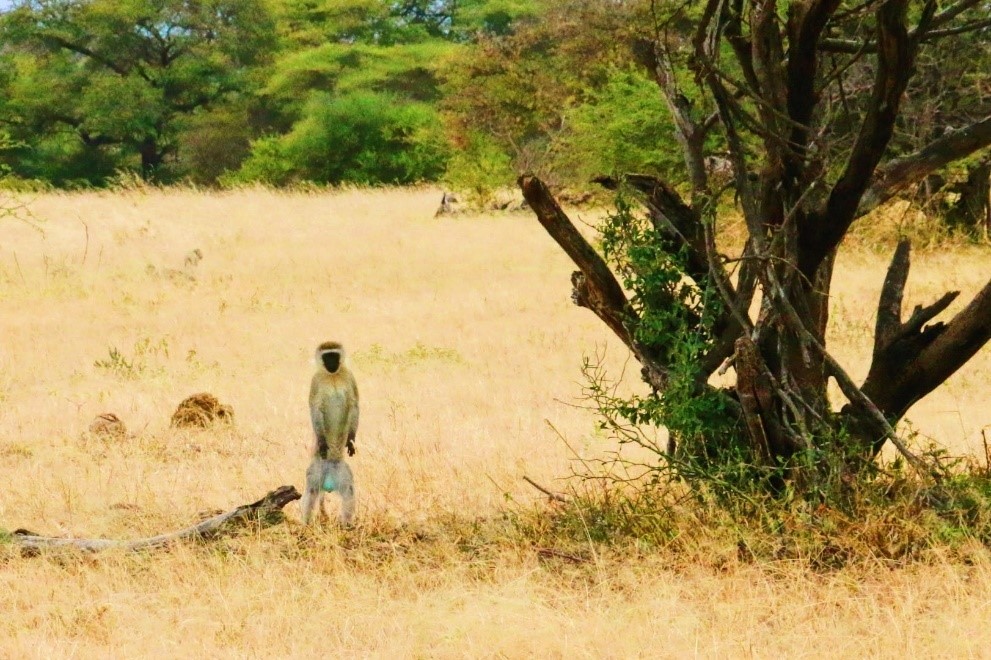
(465, 345)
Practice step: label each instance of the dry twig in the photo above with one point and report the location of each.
(557, 497)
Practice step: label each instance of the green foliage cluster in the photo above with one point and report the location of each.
(362, 138)
(676, 318)
(623, 126)
(476, 91)
(139, 364)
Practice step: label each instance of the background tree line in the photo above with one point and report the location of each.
(471, 92)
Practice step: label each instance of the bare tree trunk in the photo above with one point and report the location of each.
(151, 158)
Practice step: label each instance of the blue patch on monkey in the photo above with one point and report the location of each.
(329, 485)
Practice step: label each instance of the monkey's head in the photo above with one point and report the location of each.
(330, 355)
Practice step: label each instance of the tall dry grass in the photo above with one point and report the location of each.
(467, 352)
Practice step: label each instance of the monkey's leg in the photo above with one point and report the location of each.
(323, 507)
(345, 486)
(312, 494)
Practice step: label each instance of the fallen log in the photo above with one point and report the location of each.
(267, 510)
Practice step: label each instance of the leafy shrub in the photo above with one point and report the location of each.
(624, 126)
(268, 164)
(363, 138)
(60, 160)
(479, 168)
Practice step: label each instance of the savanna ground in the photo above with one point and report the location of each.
(467, 351)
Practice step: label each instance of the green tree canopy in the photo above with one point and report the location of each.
(94, 75)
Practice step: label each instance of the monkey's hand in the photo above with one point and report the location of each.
(350, 446)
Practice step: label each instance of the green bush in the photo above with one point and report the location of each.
(479, 168)
(363, 138)
(267, 163)
(62, 160)
(623, 127)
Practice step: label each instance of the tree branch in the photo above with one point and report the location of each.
(595, 286)
(922, 315)
(824, 230)
(889, 308)
(79, 49)
(687, 131)
(856, 395)
(896, 343)
(924, 32)
(912, 359)
(261, 511)
(899, 173)
(919, 358)
(676, 222)
(802, 67)
(600, 291)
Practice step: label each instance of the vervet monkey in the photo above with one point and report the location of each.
(334, 413)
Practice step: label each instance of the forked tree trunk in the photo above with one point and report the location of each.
(780, 395)
(800, 183)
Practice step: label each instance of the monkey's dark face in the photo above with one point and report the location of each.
(331, 361)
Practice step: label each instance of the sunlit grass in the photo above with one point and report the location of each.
(467, 352)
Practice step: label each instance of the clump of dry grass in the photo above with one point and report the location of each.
(465, 346)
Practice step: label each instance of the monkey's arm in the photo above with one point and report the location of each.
(353, 422)
(320, 447)
(352, 432)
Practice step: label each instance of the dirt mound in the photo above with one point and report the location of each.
(200, 411)
(107, 425)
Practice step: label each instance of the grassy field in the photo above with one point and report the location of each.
(467, 351)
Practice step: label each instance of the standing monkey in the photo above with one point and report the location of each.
(334, 412)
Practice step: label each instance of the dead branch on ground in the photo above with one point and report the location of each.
(267, 510)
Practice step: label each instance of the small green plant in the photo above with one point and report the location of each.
(118, 364)
(198, 365)
(136, 366)
(415, 355)
(14, 450)
(421, 352)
